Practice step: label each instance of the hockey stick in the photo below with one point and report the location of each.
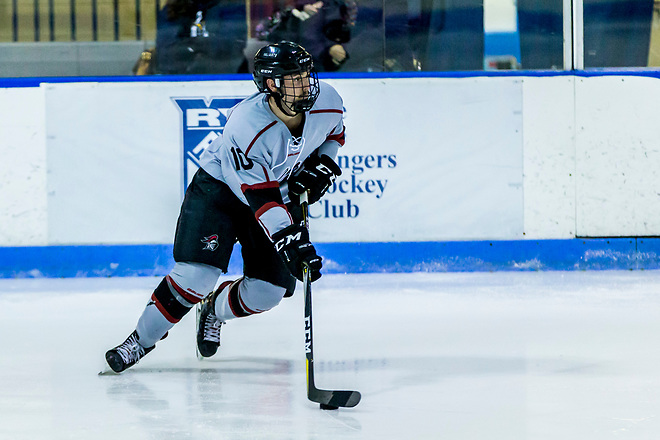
(329, 399)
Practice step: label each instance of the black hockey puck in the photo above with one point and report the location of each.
(327, 407)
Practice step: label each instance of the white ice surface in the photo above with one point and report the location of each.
(551, 355)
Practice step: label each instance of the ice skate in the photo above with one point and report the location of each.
(127, 354)
(208, 325)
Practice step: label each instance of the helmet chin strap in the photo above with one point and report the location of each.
(278, 102)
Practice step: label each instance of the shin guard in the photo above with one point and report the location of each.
(173, 301)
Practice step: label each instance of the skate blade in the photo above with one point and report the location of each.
(107, 371)
(198, 313)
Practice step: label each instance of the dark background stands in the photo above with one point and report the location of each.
(218, 45)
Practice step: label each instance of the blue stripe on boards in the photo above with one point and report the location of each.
(85, 261)
(480, 256)
(453, 256)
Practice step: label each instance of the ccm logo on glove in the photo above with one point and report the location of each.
(293, 246)
(279, 245)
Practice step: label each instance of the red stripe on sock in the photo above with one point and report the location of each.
(162, 310)
(184, 294)
(235, 303)
(246, 308)
(236, 313)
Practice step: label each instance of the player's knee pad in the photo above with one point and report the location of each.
(195, 279)
(187, 284)
(248, 296)
(259, 295)
(170, 304)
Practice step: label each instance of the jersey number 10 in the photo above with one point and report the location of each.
(241, 160)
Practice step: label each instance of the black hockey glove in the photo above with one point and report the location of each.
(315, 175)
(293, 245)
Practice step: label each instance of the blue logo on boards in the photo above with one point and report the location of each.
(203, 121)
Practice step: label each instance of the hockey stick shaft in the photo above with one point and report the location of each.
(307, 283)
(329, 399)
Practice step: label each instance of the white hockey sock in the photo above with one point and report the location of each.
(152, 325)
(175, 296)
(222, 309)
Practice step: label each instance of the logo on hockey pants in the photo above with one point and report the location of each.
(211, 242)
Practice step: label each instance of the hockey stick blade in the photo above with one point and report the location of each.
(344, 399)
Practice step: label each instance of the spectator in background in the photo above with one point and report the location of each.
(326, 29)
(200, 37)
(144, 65)
(322, 27)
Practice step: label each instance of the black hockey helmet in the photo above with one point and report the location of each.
(276, 61)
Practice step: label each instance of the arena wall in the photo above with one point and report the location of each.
(528, 171)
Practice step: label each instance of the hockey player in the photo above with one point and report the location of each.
(276, 145)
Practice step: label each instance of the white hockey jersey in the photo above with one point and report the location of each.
(257, 153)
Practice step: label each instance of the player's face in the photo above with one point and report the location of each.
(295, 88)
(297, 92)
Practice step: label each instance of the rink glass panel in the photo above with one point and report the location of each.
(107, 37)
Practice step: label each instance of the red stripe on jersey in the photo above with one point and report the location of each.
(190, 297)
(327, 110)
(265, 173)
(162, 310)
(263, 226)
(265, 208)
(338, 137)
(261, 185)
(261, 211)
(259, 134)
